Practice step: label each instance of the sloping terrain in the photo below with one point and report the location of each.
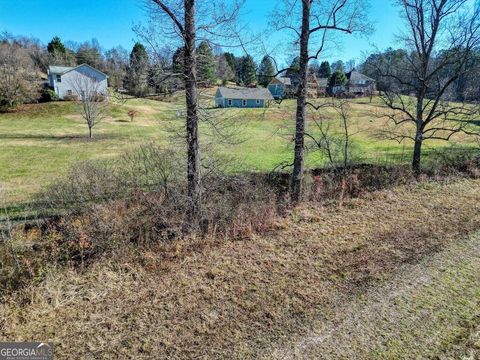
(41, 142)
(430, 309)
(277, 294)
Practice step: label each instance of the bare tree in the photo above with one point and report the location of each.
(18, 76)
(333, 132)
(442, 38)
(176, 20)
(311, 21)
(91, 98)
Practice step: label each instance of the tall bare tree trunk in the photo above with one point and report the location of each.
(417, 150)
(193, 150)
(299, 159)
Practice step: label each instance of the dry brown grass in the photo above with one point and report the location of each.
(239, 299)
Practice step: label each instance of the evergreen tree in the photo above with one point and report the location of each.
(58, 54)
(178, 61)
(266, 71)
(294, 67)
(205, 65)
(55, 46)
(338, 78)
(249, 71)
(136, 79)
(138, 56)
(325, 71)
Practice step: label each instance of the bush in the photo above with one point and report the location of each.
(99, 97)
(71, 97)
(48, 95)
(141, 199)
(6, 105)
(454, 161)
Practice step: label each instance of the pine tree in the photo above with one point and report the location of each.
(294, 67)
(338, 78)
(266, 71)
(232, 61)
(136, 81)
(325, 70)
(178, 61)
(138, 56)
(56, 46)
(249, 71)
(205, 65)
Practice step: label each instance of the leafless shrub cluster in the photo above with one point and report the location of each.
(142, 198)
(18, 76)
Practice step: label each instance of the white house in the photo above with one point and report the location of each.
(67, 81)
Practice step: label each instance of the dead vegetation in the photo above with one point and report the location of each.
(204, 297)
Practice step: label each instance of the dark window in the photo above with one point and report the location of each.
(229, 102)
(59, 78)
(244, 102)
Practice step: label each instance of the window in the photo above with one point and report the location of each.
(229, 102)
(244, 102)
(59, 78)
(258, 102)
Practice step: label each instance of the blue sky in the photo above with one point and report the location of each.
(111, 21)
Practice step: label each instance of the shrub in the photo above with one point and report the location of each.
(48, 95)
(98, 97)
(454, 161)
(71, 97)
(141, 199)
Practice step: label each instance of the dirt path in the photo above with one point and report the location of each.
(427, 310)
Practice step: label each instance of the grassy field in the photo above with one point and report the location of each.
(41, 142)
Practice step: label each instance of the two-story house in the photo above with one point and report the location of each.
(68, 81)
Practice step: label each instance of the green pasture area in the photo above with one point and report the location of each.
(39, 143)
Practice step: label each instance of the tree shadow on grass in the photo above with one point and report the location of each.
(73, 137)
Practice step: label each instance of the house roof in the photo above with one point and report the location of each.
(245, 93)
(61, 70)
(356, 76)
(58, 70)
(285, 80)
(323, 82)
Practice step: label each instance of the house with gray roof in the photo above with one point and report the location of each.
(280, 87)
(242, 97)
(357, 84)
(69, 81)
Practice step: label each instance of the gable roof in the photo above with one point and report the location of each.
(58, 70)
(356, 76)
(62, 70)
(245, 93)
(323, 82)
(282, 80)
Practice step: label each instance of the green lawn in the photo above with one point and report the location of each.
(40, 142)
